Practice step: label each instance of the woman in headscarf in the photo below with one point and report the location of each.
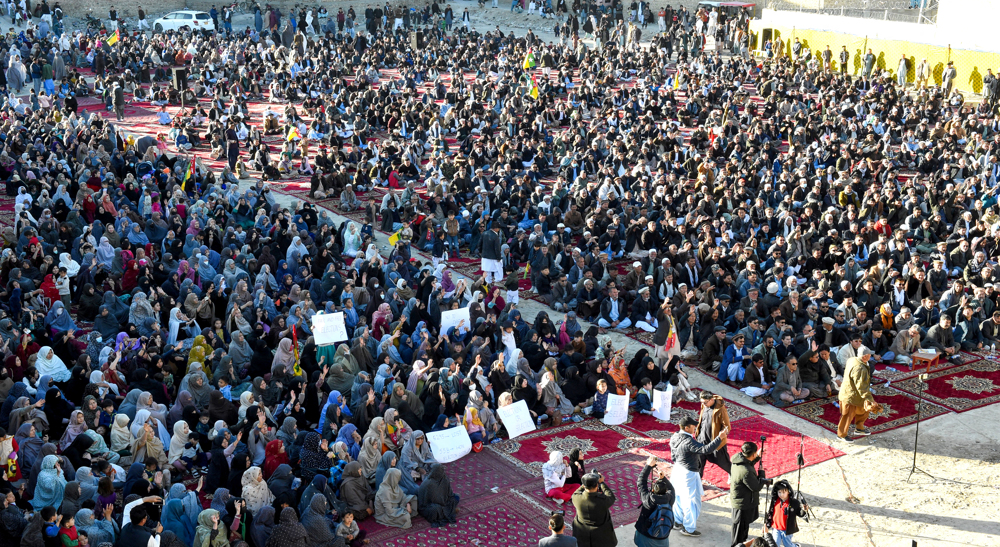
(416, 458)
(196, 383)
(98, 532)
(74, 428)
(284, 356)
(255, 490)
(89, 303)
(121, 437)
(71, 499)
(88, 483)
(47, 363)
(396, 430)
(352, 440)
(289, 532)
(557, 405)
(320, 529)
(393, 507)
(370, 456)
(280, 482)
(436, 499)
(58, 320)
(263, 526)
(313, 458)
(146, 443)
(275, 456)
(240, 351)
(356, 492)
(49, 485)
(391, 461)
(175, 519)
(210, 531)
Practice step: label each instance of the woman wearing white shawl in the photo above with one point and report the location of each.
(142, 417)
(23, 198)
(66, 261)
(296, 246)
(352, 240)
(177, 442)
(103, 387)
(48, 363)
(255, 490)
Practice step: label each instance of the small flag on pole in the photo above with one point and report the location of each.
(113, 39)
(189, 173)
(293, 133)
(534, 88)
(529, 60)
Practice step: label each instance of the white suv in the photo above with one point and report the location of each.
(184, 20)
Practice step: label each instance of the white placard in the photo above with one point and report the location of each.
(516, 418)
(329, 328)
(617, 411)
(450, 444)
(451, 318)
(661, 403)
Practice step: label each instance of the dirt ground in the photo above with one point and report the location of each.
(957, 506)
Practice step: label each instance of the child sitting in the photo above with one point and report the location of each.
(644, 399)
(600, 405)
(348, 529)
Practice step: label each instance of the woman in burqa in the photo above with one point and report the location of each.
(241, 462)
(356, 492)
(89, 303)
(289, 532)
(188, 498)
(281, 480)
(436, 500)
(49, 449)
(533, 351)
(524, 392)
(107, 323)
(320, 529)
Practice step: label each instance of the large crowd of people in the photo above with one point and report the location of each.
(780, 224)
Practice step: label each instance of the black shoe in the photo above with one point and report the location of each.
(847, 439)
(678, 526)
(694, 534)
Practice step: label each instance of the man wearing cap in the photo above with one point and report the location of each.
(592, 526)
(712, 353)
(634, 280)
(714, 418)
(643, 311)
(856, 399)
(734, 361)
(687, 453)
(492, 264)
(752, 304)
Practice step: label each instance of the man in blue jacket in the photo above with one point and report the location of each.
(734, 361)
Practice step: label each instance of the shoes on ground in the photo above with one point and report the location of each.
(693, 534)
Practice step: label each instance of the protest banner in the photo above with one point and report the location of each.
(617, 410)
(451, 318)
(329, 328)
(450, 444)
(661, 403)
(516, 419)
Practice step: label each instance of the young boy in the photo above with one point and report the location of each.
(67, 531)
(50, 524)
(600, 405)
(348, 529)
(780, 517)
(107, 416)
(644, 399)
(225, 389)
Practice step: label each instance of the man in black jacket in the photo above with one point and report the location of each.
(744, 491)
(661, 495)
(687, 454)
(491, 262)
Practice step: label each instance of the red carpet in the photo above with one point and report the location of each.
(899, 410)
(780, 450)
(596, 441)
(960, 388)
(648, 426)
(504, 520)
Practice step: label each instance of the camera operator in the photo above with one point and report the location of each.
(744, 491)
(592, 526)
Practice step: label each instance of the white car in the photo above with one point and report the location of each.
(184, 20)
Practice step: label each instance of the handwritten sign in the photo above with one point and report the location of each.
(450, 444)
(617, 411)
(451, 318)
(329, 328)
(661, 403)
(516, 419)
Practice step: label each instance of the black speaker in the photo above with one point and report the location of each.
(180, 79)
(416, 39)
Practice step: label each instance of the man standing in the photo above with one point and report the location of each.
(923, 74)
(713, 420)
(119, 101)
(661, 495)
(744, 491)
(232, 145)
(491, 253)
(844, 58)
(948, 78)
(142, 19)
(557, 524)
(901, 71)
(686, 453)
(869, 64)
(856, 399)
(592, 526)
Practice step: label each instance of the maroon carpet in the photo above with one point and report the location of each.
(960, 388)
(898, 410)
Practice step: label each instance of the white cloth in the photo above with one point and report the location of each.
(492, 270)
(687, 503)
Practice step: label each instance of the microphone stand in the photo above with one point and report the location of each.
(916, 432)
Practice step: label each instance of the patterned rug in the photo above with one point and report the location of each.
(898, 410)
(896, 372)
(960, 388)
(502, 520)
(780, 448)
(597, 442)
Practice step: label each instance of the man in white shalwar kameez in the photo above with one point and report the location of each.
(686, 452)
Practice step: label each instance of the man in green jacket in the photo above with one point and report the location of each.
(592, 526)
(744, 491)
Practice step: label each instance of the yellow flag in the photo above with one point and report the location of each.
(113, 39)
(294, 134)
(394, 238)
(529, 60)
(534, 89)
